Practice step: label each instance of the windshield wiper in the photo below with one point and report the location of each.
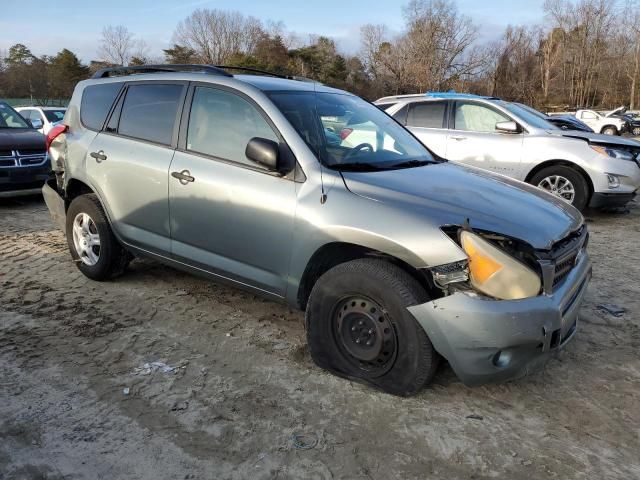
(356, 167)
(410, 164)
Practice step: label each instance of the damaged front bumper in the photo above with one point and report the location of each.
(487, 340)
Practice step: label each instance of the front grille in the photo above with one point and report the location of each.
(6, 153)
(563, 268)
(27, 162)
(7, 162)
(30, 151)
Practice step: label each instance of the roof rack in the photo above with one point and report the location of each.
(252, 70)
(453, 94)
(120, 71)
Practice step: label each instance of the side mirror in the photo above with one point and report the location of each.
(507, 127)
(263, 151)
(36, 123)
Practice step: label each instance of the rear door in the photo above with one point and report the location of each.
(129, 161)
(428, 121)
(474, 140)
(229, 215)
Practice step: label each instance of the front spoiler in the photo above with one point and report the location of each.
(487, 340)
(55, 204)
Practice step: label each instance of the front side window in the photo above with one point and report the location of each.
(427, 115)
(149, 112)
(9, 118)
(221, 125)
(362, 137)
(473, 117)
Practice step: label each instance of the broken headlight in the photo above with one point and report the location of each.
(617, 153)
(496, 273)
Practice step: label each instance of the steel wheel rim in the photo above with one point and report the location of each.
(636, 131)
(86, 239)
(559, 186)
(365, 335)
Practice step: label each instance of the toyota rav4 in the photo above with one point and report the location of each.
(398, 257)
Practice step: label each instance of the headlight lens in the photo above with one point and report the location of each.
(613, 152)
(496, 273)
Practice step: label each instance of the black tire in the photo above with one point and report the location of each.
(609, 130)
(113, 259)
(578, 181)
(412, 363)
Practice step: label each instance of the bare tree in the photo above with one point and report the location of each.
(116, 45)
(217, 35)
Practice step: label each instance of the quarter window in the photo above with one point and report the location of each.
(427, 115)
(149, 112)
(473, 117)
(96, 102)
(222, 123)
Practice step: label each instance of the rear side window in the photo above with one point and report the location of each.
(427, 115)
(222, 123)
(149, 112)
(96, 103)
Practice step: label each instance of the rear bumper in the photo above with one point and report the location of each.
(604, 200)
(55, 204)
(491, 340)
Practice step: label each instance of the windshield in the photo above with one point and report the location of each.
(536, 120)
(9, 118)
(54, 115)
(347, 133)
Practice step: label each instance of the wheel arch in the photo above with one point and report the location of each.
(609, 125)
(564, 163)
(335, 253)
(74, 189)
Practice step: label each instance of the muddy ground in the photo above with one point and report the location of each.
(243, 383)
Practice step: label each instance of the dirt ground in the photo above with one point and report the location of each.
(240, 398)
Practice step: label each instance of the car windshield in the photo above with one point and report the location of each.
(54, 115)
(347, 133)
(9, 118)
(535, 120)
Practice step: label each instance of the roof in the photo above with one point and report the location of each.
(454, 95)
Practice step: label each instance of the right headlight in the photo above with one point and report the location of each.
(616, 153)
(496, 273)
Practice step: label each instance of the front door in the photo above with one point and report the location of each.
(474, 140)
(229, 216)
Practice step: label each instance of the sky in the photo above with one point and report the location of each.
(47, 26)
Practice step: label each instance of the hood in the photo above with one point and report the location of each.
(21, 138)
(448, 194)
(617, 111)
(600, 138)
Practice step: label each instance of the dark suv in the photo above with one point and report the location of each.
(24, 164)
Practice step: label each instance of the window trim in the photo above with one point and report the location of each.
(122, 97)
(445, 117)
(452, 118)
(296, 174)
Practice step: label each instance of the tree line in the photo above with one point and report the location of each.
(583, 53)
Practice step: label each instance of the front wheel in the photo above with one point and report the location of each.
(358, 326)
(563, 182)
(609, 131)
(636, 131)
(91, 241)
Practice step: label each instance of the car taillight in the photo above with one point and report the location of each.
(55, 132)
(345, 132)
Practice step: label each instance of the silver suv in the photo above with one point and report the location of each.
(584, 169)
(397, 257)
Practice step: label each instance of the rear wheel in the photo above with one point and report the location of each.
(610, 130)
(563, 182)
(636, 131)
(92, 244)
(358, 326)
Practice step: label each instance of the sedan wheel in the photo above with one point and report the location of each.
(559, 186)
(86, 239)
(636, 131)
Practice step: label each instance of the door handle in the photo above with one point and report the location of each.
(458, 138)
(98, 156)
(184, 176)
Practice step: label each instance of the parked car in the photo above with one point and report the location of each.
(563, 122)
(24, 165)
(42, 119)
(607, 124)
(397, 257)
(584, 169)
